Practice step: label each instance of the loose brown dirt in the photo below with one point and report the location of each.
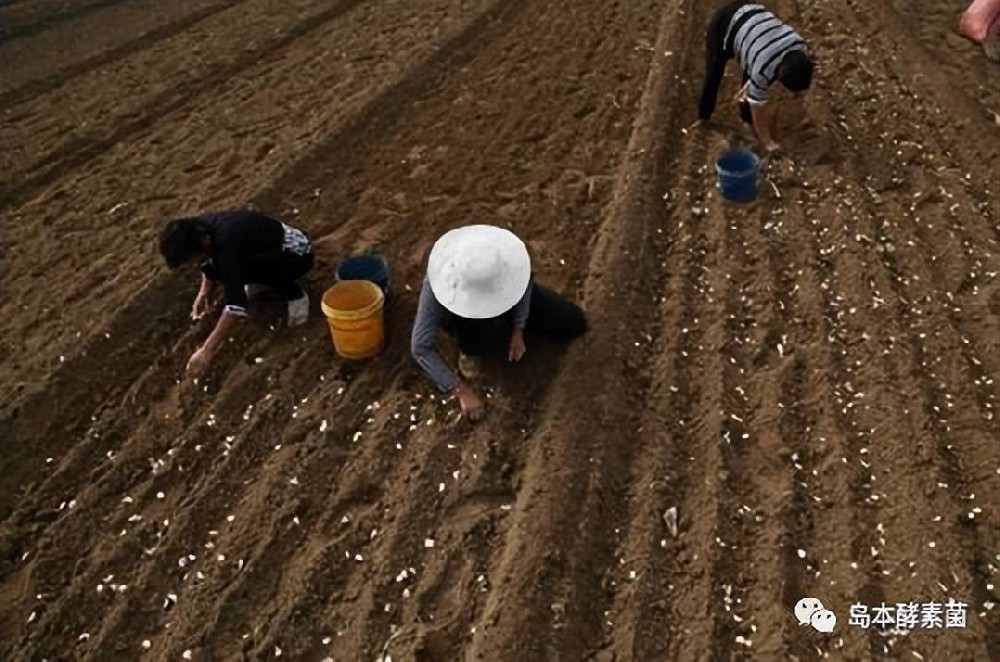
(810, 381)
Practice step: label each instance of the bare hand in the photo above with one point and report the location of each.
(468, 398)
(198, 363)
(742, 94)
(200, 308)
(772, 148)
(517, 348)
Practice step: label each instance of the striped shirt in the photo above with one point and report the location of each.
(759, 41)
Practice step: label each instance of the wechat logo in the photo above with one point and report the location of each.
(810, 611)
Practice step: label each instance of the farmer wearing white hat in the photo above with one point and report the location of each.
(479, 276)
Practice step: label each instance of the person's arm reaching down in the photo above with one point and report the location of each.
(423, 340)
(521, 312)
(422, 346)
(762, 118)
(756, 94)
(203, 302)
(203, 355)
(234, 310)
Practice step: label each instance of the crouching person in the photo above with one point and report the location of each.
(767, 51)
(245, 250)
(478, 278)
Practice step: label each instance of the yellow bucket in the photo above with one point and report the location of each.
(353, 309)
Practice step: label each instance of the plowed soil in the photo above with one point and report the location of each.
(810, 380)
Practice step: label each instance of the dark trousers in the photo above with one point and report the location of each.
(550, 315)
(278, 270)
(717, 54)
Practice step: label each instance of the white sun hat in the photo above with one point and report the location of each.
(479, 271)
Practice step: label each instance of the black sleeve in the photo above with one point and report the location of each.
(210, 271)
(227, 265)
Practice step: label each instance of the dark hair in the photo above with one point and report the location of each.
(796, 71)
(180, 241)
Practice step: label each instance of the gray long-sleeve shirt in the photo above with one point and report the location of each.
(430, 312)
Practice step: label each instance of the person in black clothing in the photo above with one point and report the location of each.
(244, 248)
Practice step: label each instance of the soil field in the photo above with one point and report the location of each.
(809, 382)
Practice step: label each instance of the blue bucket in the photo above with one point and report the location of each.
(737, 175)
(371, 267)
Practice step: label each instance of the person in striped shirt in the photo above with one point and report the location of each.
(766, 49)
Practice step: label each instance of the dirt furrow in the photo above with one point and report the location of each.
(868, 381)
(399, 162)
(943, 364)
(948, 66)
(148, 391)
(546, 509)
(366, 204)
(23, 12)
(327, 519)
(950, 352)
(803, 532)
(692, 593)
(390, 538)
(272, 552)
(957, 439)
(797, 420)
(302, 515)
(36, 76)
(435, 501)
(287, 501)
(881, 457)
(881, 460)
(731, 572)
(853, 433)
(224, 472)
(130, 476)
(74, 151)
(777, 459)
(84, 385)
(176, 138)
(807, 382)
(954, 230)
(826, 469)
(19, 21)
(662, 471)
(946, 189)
(904, 410)
(697, 555)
